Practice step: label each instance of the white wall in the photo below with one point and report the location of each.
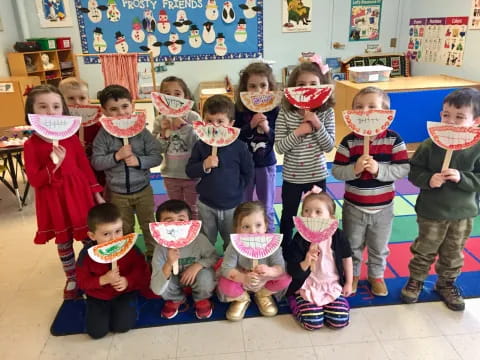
(8, 36)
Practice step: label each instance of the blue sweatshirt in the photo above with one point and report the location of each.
(223, 187)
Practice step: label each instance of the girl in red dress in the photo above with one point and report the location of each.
(64, 192)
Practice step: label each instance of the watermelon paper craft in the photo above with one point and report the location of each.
(368, 123)
(124, 126)
(256, 246)
(216, 136)
(171, 105)
(261, 102)
(308, 97)
(113, 250)
(452, 137)
(175, 234)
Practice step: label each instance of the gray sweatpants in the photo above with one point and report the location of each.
(216, 221)
(202, 288)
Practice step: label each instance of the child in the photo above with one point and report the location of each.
(111, 294)
(446, 204)
(127, 166)
(177, 138)
(64, 192)
(223, 177)
(317, 296)
(303, 137)
(195, 267)
(257, 130)
(369, 190)
(237, 275)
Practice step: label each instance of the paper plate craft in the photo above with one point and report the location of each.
(261, 102)
(55, 127)
(256, 246)
(124, 126)
(171, 105)
(216, 136)
(308, 97)
(452, 137)
(90, 115)
(175, 234)
(113, 250)
(368, 123)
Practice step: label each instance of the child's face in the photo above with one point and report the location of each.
(253, 224)
(76, 96)
(48, 104)
(458, 116)
(307, 79)
(120, 107)
(168, 216)
(173, 88)
(368, 102)
(218, 119)
(316, 208)
(257, 83)
(106, 232)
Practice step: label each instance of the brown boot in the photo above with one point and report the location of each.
(355, 284)
(450, 294)
(266, 304)
(238, 307)
(379, 288)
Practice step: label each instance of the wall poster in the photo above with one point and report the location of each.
(365, 20)
(296, 15)
(475, 16)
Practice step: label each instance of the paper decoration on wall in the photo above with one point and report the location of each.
(474, 23)
(256, 246)
(124, 126)
(365, 20)
(175, 234)
(113, 250)
(438, 40)
(173, 30)
(261, 102)
(296, 15)
(308, 97)
(216, 136)
(54, 13)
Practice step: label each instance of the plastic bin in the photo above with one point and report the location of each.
(64, 43)
(45, 43)
(375, 73)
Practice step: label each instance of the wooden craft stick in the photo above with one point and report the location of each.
(114, 265)
(366, 145)
(254, 263)
(446, 160)
(313, 265)
(175, 268)
(81, 135)
(55, 158)
(214, 150)
(125, 141)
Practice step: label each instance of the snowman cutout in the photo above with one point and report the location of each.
(211, 10)
(220, 47)
(98, 43)
(152, 45)
(163, 25)
(250, 8)
(148, 21)
(137, 33)
(174, 44)
(113, 14)
(94, 11)
(194, 39)
(228, 14)
(208, 33)
(182, 22)
(240, 34)
(121, 45)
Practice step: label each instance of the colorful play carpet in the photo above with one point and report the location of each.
(70, 317)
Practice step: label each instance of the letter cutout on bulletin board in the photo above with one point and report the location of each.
(179, 30)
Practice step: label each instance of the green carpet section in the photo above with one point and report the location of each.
(404, 228)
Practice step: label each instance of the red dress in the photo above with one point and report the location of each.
(64, 197)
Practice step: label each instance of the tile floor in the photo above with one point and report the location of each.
(31, 288)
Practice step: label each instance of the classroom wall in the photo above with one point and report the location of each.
(8, 36)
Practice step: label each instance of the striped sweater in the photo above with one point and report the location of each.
(304, 159)
(365, 191)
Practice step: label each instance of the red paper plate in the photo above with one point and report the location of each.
(308, 97)
(124, 126)
(171, 105)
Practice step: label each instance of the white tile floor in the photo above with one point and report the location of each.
(31, 283)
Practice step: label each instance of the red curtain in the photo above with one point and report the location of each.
(121, 69)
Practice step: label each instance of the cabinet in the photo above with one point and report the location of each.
(62, 64)
(12, 100)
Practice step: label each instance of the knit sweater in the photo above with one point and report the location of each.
(304, 160)
(452, 201)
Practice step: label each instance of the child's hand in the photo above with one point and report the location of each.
(165, 124)
(59, 152)
(264, 270)
(109, 277)
(361, 163)
(257, 119)
(99, 198)
(172, 256)
(347, 289)
(263, 126)
(124, 152)
(251, 279)
(190, 274)
(452, 175)
(372, 166)
(210, 162)
(437, 180)
(303, 129)
(121, 284)
(178, 122)
(312, 255)
(312, 119)
(132, 161)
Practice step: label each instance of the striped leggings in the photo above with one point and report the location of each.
(311, 316)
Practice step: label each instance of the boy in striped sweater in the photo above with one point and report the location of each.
(369, 190)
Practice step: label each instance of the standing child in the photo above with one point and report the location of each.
(303, 137)
(224, 177)
(237, 275)
(177, 138)
(369, 190)
(257, 130)
(111, 294)
(65, 192)
(317, 295)
(195, 267)
(446, 204)
(127, 167)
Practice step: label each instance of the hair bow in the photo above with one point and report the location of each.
(316, 59)
(315, 190)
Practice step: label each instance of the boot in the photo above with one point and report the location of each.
(266, 304)
(238, 307)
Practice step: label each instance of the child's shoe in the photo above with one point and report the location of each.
(450, 294)
(266, 304)
(203, 309)
(170, 309)
(411, 291)
(379, 288)
(238, 307)
(355, 285)
(70, 292)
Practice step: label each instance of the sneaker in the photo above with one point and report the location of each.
(379, 288)
(355, 285)
(170, 309)
(450, 294)
(266, 305)
(203, 309)
(411, 291)
(70, 292)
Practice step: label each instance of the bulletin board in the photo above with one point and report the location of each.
(174, 30)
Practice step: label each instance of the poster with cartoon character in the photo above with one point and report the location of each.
(54, 13)
(296, 15)
(474, 23)
(365, 20)
(173, 30)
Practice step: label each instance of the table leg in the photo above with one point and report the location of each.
(13, 175)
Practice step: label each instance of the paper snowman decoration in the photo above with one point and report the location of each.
(182, 22)
(208, 33)
(194, 39)
(250, 8)
(98, 43)
(211, 10)
(148, 21)
(113, 14)
(153, 45)
(220, 47)
(228, 14)
(174, 44)
(137, 32)
(163, 25)
(240, 34)
(94, 12)
(121, 45)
